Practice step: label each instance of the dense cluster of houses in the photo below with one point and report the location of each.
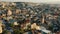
(29, 18)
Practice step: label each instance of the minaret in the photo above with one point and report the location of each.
(42, 18)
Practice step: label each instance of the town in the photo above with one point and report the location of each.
(29, 18)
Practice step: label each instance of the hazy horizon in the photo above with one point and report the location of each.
(34, 1)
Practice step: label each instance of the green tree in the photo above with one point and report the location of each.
(5, 32)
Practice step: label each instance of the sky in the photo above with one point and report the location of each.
(35, 1)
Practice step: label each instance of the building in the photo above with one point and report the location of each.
(0, 26)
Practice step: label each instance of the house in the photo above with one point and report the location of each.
(15, 23)
(9, 12)
(46, 31)
(34, 26)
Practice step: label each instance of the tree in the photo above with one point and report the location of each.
(17, 31)
(5, 32)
